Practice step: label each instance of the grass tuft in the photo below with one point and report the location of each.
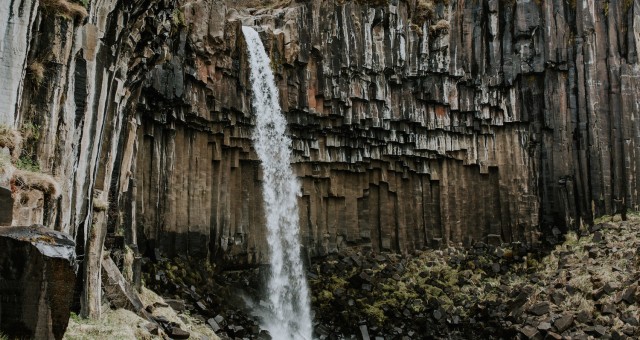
(11, 139)
(37, 181)
(100, 204)
(440, 26)
(67, 9)
(35, 70)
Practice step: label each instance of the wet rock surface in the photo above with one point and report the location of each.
(37, 266)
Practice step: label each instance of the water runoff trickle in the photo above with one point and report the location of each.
(288, 295)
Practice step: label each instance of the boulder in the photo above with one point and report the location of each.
(37, 271)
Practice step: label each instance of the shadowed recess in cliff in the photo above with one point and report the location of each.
(287, 287)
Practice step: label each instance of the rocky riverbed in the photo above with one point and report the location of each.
(586, 286)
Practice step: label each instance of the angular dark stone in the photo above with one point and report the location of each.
(544, 326)
(161, 319)
(631, 320)
(238, 330)
(583, 317)
(37, 269)
(159, 305)
(629, 295)
(553, 336)
(540, 308)
(617, 336)
(178, 333)
(220, 320)
(609, 288)
(530, 333)
(609, 309)
(364, 332)
(597, 237)
(118, 290)
(495, 267)
(563, 323)
(152, 328)
(598, 294)
(201, 305)
(213, 324)
(598, 330)
(177, 305)
(356, 260)
(629, 330)
(365, 277)
(557, 297)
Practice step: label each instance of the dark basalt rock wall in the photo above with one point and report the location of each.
(492, 118)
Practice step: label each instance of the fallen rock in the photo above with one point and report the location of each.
(583, 317)
(540, 308)
(563, 323)
(152, 328)
(544, 326)
(597, 237)
(530, 333)
(598, 330)
(220, 320)
(629, 295)
(37, 271)
(213, 324)
(177, 305)
(608, 309)
(553, 336)
(178, 333)
(610, 287)
(119, 291)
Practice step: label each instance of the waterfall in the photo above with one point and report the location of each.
(288, 295)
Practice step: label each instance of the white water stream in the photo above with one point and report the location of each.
(288, 294)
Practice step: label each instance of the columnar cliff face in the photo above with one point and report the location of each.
(492, 117)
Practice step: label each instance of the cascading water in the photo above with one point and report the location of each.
(288, 295)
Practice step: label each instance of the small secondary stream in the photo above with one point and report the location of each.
(288, 294)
